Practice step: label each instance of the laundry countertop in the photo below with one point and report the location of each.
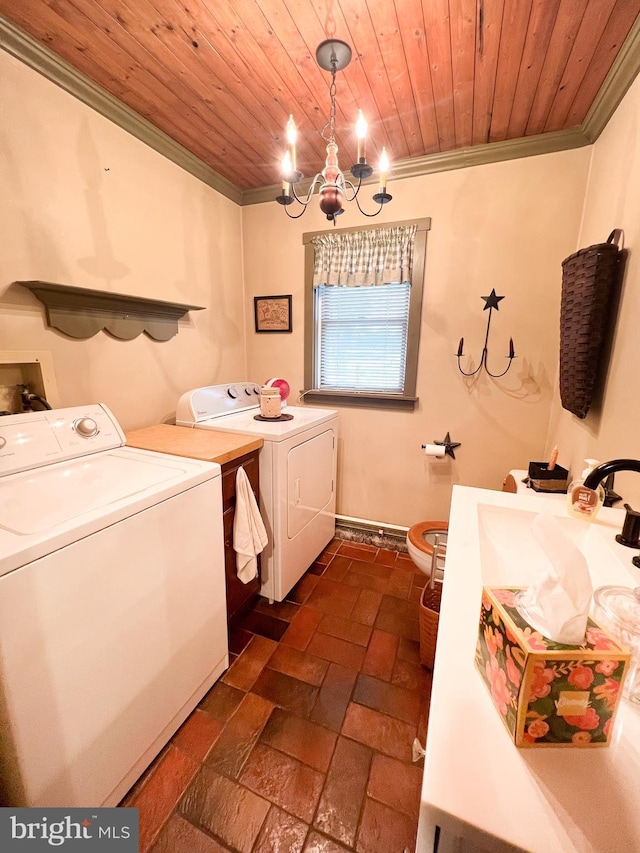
(207, 444)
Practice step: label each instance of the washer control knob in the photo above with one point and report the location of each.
(247, 391)
(3, 441)
(256, 390)
(86, 427)
(232, 393)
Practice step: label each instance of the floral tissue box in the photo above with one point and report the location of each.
(547, 693)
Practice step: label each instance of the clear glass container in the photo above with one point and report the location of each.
(617, 610)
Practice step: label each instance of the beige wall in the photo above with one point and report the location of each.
(611, 429)
(505, 225)
(86, 204)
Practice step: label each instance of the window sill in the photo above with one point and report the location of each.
(363, 399)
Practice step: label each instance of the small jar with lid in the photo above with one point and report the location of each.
(270, 402)
(617, 609)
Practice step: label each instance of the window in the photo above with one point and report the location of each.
(361, 337)
(362, 314)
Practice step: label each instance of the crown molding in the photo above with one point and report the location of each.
(38, 57)
(622, 73)
(461, 158)
(620, 77)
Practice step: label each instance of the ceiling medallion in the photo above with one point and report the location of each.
(333, 188)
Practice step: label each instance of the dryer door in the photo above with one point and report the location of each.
(310, 486)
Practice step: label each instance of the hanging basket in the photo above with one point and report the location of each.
(588, 282)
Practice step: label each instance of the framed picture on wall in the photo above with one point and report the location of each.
(272, 313)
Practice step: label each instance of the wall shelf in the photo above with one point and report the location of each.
(81, 312)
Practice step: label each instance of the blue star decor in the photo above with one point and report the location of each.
(491, 302)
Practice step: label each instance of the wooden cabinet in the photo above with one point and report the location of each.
(240, 596)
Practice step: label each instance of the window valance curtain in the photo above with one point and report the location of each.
(364, 258)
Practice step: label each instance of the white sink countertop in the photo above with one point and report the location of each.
(483, 792)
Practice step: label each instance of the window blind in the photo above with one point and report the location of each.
(362, 337)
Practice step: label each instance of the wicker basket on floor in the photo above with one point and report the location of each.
(430, 605)
(588, 282)
(429, 617)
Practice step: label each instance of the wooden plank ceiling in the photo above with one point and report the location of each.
(222, 76)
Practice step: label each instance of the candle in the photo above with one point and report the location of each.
(553, 458)
(286, 174)
(511, 349)
(460, 347)
(383, 167)
(361, 133)
(291, 139)
(286, 168)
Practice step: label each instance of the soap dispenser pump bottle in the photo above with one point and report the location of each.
(582, 502)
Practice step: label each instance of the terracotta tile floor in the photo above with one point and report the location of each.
(304, 745)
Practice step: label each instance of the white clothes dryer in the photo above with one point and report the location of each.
(112, 604)
(298, 465)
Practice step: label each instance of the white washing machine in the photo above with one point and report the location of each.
(297, 474)
(112, 604)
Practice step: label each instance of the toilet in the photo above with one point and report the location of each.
(420, 542)
(421, 537)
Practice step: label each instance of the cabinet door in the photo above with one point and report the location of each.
(229, 473)
(239, 595)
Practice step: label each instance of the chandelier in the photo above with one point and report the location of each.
(333, 188)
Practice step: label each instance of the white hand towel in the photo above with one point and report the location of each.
(249, 534)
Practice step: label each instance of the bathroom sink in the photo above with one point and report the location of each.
(510, 554)
(551, 800)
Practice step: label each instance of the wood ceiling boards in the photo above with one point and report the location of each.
(431, 76)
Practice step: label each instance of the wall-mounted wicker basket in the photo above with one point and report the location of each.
(589, 277)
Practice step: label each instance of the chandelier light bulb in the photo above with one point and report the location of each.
(361, 133)
(292, 133)
(383, 168)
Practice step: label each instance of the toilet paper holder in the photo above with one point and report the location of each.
(448, 444)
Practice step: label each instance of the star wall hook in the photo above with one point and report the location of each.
(491, 301)
(449, 446)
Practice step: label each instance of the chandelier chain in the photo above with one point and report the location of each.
(328, 132)
(332, 113)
